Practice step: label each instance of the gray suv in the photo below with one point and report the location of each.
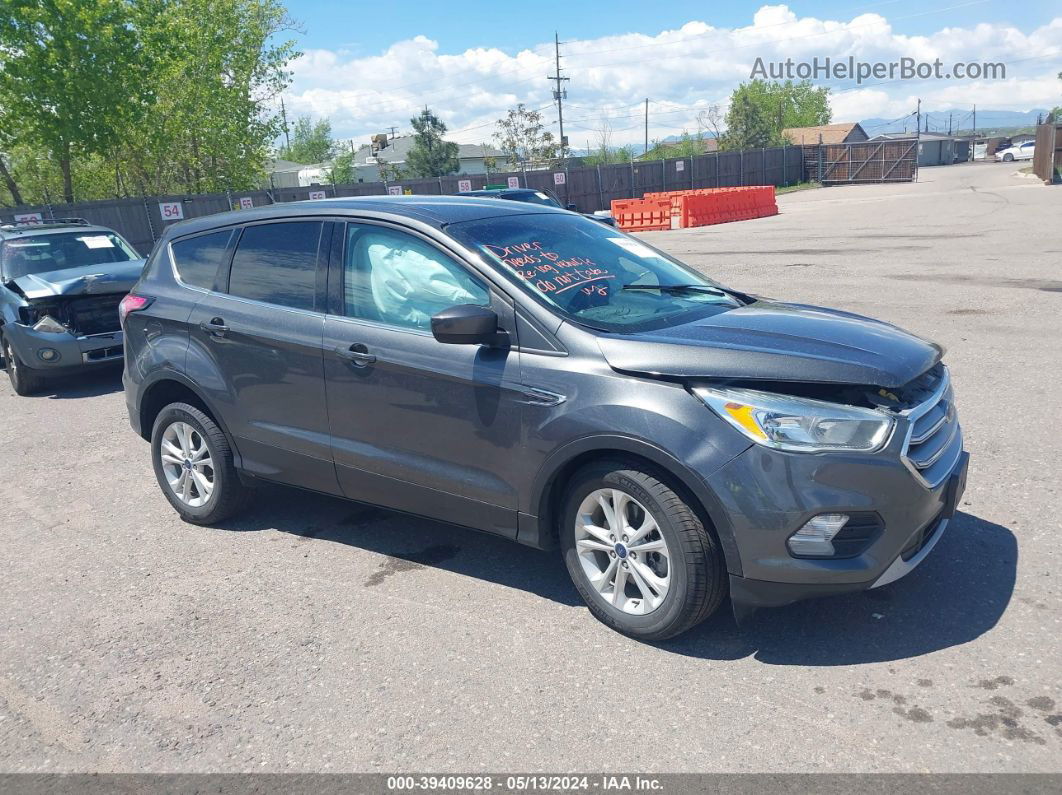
(541, 376)
(60, 286)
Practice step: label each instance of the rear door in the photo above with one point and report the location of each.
(416, 424)
(256, 343)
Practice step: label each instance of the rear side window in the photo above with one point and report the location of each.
(198, 258)
(277, 264)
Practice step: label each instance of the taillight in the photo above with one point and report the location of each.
(132, 303)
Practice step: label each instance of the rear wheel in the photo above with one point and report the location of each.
(194, 465)
(23, 380)
(639, 555)
(1008, 158)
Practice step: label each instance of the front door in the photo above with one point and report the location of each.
(416, 424)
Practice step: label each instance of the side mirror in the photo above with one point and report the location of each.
(465, 324)
(573, 207)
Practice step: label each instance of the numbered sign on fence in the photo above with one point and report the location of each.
(680, 165)
(514, 182)
(317, 194)
(246, 203)
(29, 218)
(464, 185)
(559, 178)
(394, 190)
(171, 211)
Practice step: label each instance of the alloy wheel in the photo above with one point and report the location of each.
(622, 552)
(187, 464)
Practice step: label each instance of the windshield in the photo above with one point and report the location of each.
(592, 273)
(56, 252)
(534, 197)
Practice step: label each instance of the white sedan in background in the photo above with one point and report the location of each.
(1020, 152)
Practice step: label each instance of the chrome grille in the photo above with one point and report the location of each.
(934, 438)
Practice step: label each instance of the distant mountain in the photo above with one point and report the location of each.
(939, 120)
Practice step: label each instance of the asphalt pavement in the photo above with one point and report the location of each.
(319, 635)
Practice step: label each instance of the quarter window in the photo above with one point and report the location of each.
(396, 278)
(277, 264)
(198, 258)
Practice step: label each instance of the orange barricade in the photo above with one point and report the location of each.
(704, 206)
(642, 215)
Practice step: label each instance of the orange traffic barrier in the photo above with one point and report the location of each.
(642, 215)
(704, 206)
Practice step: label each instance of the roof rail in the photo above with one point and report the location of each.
(48, 222)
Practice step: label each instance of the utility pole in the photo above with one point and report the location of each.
(918, 119)
(394, 131)
(284, 118)
(559, 93)
(646, 125)
(950, 114)
(975, 121)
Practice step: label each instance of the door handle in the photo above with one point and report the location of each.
(215, 328)
(357, 354)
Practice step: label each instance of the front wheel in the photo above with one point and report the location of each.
(194, 465)
(639, 555)
(1008, 158)
(23, 380)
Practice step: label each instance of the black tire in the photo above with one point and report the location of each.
(23, 380)
(1008, 158)
(229, 496)
(697, 568)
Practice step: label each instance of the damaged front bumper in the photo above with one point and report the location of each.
(50, 353)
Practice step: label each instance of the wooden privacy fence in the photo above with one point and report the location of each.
(1047, 156)
(141, 220)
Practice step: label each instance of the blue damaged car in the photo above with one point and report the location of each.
(60, 285)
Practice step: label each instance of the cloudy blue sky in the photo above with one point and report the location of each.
(368, 66)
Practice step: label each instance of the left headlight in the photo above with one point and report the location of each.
(798, 424)
(50, 325)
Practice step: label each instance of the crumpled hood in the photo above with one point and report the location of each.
(773, 341)
(112, 277)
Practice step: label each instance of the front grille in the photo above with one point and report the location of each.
(934, 438)
(94, 314)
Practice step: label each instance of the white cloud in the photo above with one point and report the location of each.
(681, 70)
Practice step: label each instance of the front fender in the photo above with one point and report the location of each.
(537, 531)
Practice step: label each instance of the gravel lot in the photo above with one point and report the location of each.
(318, 635)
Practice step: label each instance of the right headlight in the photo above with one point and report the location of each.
(798, 424)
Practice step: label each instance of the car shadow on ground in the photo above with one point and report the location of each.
(955, 596)
(92, 384)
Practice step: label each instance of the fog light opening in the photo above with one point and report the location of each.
(815, 538)
(48, 355)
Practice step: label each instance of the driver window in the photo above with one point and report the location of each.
(395, 278)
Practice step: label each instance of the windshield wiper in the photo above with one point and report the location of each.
(676, 288)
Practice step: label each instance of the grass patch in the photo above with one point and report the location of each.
(1026, 170)
(796, 187)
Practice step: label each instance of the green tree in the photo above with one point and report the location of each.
(760, 110)
(524, 139)
(115, 97)
(748, 126)
(389, 172)
(430, 155)
(310, 142)
(74, 73)
(343, 171)
(688, 145)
